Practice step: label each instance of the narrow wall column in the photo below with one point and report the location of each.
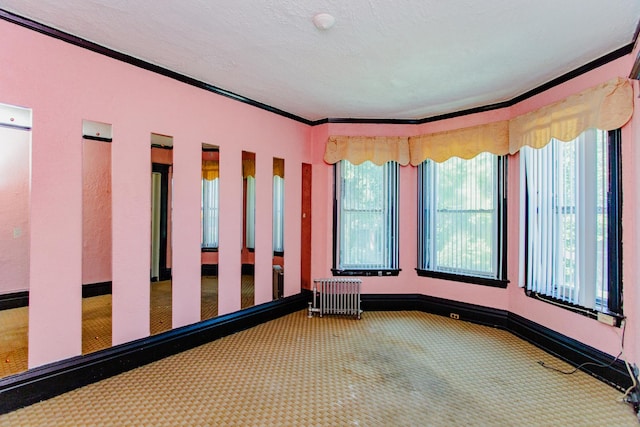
(229, 255)
(187, 173)
(292, 226)
(131, 180)
(55, 310)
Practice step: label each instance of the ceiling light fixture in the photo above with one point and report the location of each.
(323, 21)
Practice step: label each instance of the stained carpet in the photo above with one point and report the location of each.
(388, 369)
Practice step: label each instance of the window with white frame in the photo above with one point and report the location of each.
(210, 211)
(366, 208)
(278, 214)
(461, 226)
(571, 209)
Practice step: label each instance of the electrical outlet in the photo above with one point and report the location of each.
(454, 316)
(607, 319)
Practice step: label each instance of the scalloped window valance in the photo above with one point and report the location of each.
(465, 143)
(278, 167)
(210, 169)
(358, 149)
(607, 106)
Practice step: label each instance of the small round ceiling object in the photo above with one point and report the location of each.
(324, 21)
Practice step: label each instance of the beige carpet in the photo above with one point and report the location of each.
(96, 320)
(13, 340)
(388, 369)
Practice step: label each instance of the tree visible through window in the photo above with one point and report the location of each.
(460, 224)
(367, 219)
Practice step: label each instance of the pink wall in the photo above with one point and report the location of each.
(14, 210)
(586, 330)
(137, 102)
(96, 211)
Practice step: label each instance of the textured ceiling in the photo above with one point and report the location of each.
(383, 59)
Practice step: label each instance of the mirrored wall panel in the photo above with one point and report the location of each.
(278, 228)
(249, 229)
(15, 141)
(209, 215)
(161, 202)
(96, 236)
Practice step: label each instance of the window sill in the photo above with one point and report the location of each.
(366, 273)
(209, 249)
(587, 312)
(484, 281)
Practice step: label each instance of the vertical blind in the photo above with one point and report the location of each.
(278, 214)
(251, 213)
(458, 222)
(367, 215)
(566, 216)
(210, 213)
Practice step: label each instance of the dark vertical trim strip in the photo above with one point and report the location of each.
(334, 244)
(614, 224)
(502, 216)
(163, 170)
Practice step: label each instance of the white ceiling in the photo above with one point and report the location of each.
(403, 59)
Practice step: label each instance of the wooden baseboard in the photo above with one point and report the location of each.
(96, 289)
(14, 300)
(209, 269)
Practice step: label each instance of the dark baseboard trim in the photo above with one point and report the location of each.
(443, 307)
(568, 349)
(47, 381)
(572, 351)
(96, 289)
(248, 269)
(209, 270)
(14, 300)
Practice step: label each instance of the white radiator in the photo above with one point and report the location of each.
(336, 296)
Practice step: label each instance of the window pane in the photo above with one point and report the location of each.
(459, 205)
(210, 211)
(278, 214)
(567, 212)
(251, 213)
(367, 216)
